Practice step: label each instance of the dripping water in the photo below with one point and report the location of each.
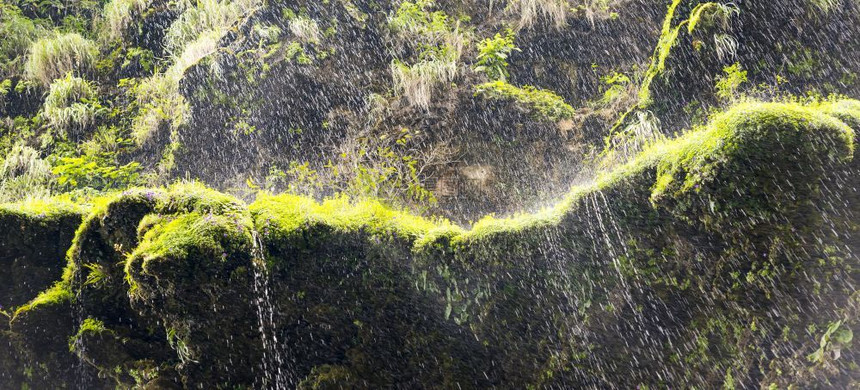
(276, 374)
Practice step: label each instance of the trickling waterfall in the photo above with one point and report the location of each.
(276, 373)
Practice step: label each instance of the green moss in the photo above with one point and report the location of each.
(44, 209)
(89, 327)
(176, 238)
(284, 215)
(681, 223)
(772, 126)
(59, 294)
(541, 103)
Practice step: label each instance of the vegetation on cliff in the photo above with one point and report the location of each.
(282, 194)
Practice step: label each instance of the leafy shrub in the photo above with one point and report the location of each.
(54, 57)
(541, 103)
(493, 56)
(71, 105)
(98, 171)
(728, 85)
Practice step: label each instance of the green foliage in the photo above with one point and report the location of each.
(202, 18)
(541, 103)
(71, 105)
(54, 57)
(18, 33)
(24, 174)
(729, 84)
(493, 56)
(414, 19)
(837, 337)
(439, 44)
(384, 173)
(297, 179)
(712, 14)
(617, 84)
(94, 171)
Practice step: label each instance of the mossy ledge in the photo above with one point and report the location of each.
(727, 257)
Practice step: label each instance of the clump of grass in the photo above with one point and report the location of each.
(18, 34)
(24, 174)
(206, 16)
(306, 29)
(529, 11)
(71, 105)
(119, 14)
(439, 44)
(417, 81)
(53, 57)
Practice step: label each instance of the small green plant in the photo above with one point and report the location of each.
(712, 14)
(305, 29)
(728, 85)
(54, 57)
(414, 19)
(493, 56)
(71, 105)
(837, 337)
(726, 46)
(616, 84)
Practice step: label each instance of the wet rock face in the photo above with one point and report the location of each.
(717, 259)
(33, 246)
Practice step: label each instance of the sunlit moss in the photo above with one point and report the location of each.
(43, 208)
(60, 293)
(543, 104)
(286, 214)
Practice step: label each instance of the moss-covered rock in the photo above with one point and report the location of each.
(34, 238)
(727, 257)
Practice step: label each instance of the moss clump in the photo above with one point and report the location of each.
(735, 168)
(284, 214)
(542, 104)
(59, 294)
